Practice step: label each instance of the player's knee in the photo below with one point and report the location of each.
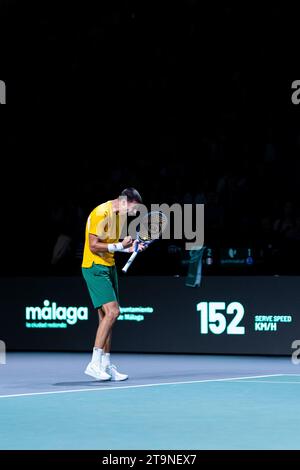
(113, 313)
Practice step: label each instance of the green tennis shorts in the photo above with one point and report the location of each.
(102, 282)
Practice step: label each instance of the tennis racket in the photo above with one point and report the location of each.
(150, 229)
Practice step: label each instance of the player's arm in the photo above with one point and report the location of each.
(97, 246)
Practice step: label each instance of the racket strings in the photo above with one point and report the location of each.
(152, 226)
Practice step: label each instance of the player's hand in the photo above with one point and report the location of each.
(142, 246)
(127, 242)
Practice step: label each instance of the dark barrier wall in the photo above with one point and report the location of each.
(228, 315)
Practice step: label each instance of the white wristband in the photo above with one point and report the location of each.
(112, 247)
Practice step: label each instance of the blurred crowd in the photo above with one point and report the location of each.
(250, 202)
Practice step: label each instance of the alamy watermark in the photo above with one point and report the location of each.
(2, 352)
(185, 222)
(2, 92)
(296, 92)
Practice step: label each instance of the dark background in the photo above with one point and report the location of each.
(189, 102)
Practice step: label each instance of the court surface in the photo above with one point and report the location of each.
(169, 402)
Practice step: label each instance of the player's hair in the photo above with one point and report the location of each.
(132, 195)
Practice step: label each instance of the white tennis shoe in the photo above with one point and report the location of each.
(96, 371)
(114, 374)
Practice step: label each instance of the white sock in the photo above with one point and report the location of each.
(97, 353)
(106, 360)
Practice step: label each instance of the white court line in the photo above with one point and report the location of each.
(266, 382)
(292, 375)
(138, 386)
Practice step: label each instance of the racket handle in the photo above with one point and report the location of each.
(132, 257)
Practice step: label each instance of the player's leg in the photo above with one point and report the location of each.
(107, 346)
(106, 360)
(103, 287)
(107, 317)
(103, 296)
(105, 356)
(110, 313)
(102, 355)
(101, 311)
(98, 366)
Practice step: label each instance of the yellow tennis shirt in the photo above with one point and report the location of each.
(105, 224)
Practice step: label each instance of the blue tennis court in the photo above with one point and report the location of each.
(170, 402)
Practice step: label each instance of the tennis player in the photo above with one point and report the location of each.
(103, 229)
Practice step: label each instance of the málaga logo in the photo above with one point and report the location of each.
(52, 316)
